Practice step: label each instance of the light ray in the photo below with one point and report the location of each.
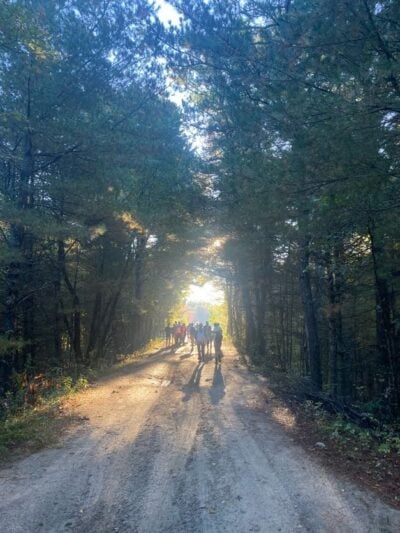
(209, 293)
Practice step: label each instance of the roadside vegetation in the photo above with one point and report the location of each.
(285, 152)
(355, 445)
(300, 104)
(363, 455)
(99, 200)
(29, 426)
(38, 414)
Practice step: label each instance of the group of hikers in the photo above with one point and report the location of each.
(201, 335)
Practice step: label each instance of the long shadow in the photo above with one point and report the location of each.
(185, 355)
(137, 364)
(193, 385)
(217, 390)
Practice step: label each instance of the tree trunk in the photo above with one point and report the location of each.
(338, 370)
(310, 319)
(250, 330)
(26, 199)
(75, 330)
(137, 330)
(386, 335)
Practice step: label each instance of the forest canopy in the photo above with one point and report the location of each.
(300, 103)
(295, 109)
(98, 197)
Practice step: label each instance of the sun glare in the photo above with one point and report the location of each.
(209, 293)
(167, 13)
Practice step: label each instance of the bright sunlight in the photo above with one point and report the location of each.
(209, 293)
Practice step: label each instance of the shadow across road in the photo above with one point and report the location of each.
(217, 390)
(193, 384)
(185, 355)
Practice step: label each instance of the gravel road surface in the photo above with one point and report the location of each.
(171, 445)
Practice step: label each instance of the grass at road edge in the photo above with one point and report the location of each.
(27, 429)
(30, 429)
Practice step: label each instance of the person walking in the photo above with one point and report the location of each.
(201, 343)
(183, 333)
(208, 336)
(217, 334)
(177, 333)
(192, 336)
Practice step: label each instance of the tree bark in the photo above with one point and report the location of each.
(386, 335)
(75, 330)
(310, 319)
(338, 372)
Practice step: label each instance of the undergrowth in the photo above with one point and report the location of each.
(337, 428)
(30, 415)
(33, 425)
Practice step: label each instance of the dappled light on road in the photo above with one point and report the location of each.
(197, 442)
(283, 416)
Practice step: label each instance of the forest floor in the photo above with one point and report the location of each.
(171, 445)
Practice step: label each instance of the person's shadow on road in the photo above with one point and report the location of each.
(185, 355)
(193, 383)
(217, 390)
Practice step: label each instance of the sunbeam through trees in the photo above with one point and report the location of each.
(275, 172)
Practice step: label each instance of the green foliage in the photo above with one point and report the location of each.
(339, 429)
(299, 102)
(7, 344)
(219, 313)
(95, 176)
(34, 425)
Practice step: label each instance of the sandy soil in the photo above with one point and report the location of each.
(170, 445)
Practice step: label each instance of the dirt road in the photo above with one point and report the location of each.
(171, 445)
